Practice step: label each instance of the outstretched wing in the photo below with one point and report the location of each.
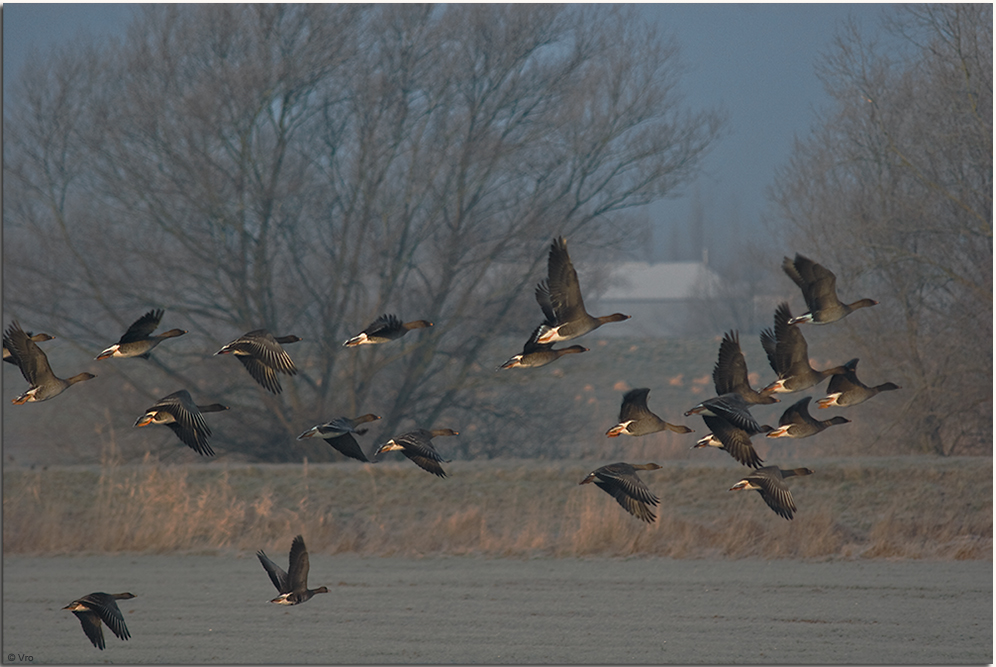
(277, 575)
(143, 327)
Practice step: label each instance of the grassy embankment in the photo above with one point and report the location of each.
(865, 507)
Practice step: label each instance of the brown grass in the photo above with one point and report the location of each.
(897, 507)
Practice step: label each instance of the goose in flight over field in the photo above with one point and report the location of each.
(417, 446)
(37, 338)
(846, 389)
(339, 434)
(732, 407)
(769, 483)
(385, 329)
(788, 355)
(620, 481)
(635, 418)
(178, 412)
(733, 440)
(293, 584)
(730, 372)
(559, 296)
(138, 340)
(263, 357)
(96, 607)
(535, 354)
(819, 289)
(43, 384)
(796, 422)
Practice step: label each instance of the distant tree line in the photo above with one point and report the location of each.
(893, 189)
(306, 168)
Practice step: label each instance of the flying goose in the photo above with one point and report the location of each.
(796, 422)
(559, 296)
(293, 584)
(620, 481)
(43, 384)
(635, 418)
(96, 607)
(819, 289)
(417, 446)
(768, 481)
(788, 355)
(178, 412)
(263, 357)
(138, 340)
(385, 329)
(339, 432)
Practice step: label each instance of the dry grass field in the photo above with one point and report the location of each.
(863, 507)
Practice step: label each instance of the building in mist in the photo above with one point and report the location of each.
(663, 298)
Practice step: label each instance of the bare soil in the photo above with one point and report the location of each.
(210, 609)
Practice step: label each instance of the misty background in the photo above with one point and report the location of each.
(306, 170)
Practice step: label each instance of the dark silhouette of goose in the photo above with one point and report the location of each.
(261, 354)
(293, 584)
(96, 607)
(819, 289)
(138, 340)
(846, 389)
(768, 481)
(620, 481)
(635, 418)
(535, 354)
(385, 329)
(43, 384)
(732, 407)
(339, 434)
(730, 372)
(788, 355)
(417, 446)
(37, 338)
(796, 422)
(733, 440)
(559, 296)
(178, 412)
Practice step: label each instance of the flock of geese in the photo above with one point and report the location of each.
(727, 415)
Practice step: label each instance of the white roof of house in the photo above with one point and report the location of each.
(665, 280)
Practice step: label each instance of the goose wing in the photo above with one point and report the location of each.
(847, 381)
(276, 573)
(346, 445)
(417, 446)
(564, 288)
(797, 413)
(29, 357)
(774, 491)
(819, 284)
(736, 441)
(791, 353)
(546, 305)
(104, 606)
(734, 409)
(143, 327)
(261, 373)
(385, 326)
(91, 627)
(189, 426)
(730, 372)
(532, 345)
(634, 405)
(297, 573)
(622, 483)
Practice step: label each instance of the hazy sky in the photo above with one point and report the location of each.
(756, 61)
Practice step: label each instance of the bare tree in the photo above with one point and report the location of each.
(305, 168)
(894, 191)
